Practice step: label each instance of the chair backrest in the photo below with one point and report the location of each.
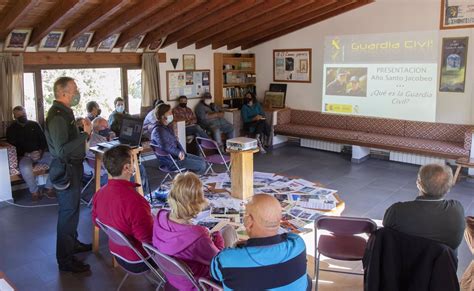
(345, 225)
(209, 285)
(206, 143)
(169, 265)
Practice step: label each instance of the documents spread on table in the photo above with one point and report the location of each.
(302, 201)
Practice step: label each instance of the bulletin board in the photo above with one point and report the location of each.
(188, 83)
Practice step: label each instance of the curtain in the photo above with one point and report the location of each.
(150, 80)
(11, 88)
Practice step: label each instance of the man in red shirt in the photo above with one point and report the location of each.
(120, 206)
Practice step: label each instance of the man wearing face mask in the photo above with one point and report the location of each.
(183, 112)
(116, 117)
(209, 116)
(150, 120)
(30, 142)
(93, 110)
(163, 136)
(67, 147)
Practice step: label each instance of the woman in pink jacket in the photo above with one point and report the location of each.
(176, 236)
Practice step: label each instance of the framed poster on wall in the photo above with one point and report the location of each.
(453, 64)
(190, 83)
(292, 65)
(456, 14)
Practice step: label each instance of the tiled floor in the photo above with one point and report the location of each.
(27, 235)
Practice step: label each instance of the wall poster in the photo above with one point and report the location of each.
(453, 64)
(456, 14)
(292, 65)
(188, 83)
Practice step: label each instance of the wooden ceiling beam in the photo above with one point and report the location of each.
(11, 17)
(128, 18)
(289, 29)
(54, 18)
(217, 40)
(192, 18)
(161, 17)
(97, 16)
(218, 17)
(204, 37)
(269, 22)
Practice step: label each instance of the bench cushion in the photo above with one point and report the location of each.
(318, 119)
(436, 131)
(376, 125)
(316, 132)
(435, 146)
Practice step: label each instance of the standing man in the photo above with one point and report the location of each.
(211, 117)
(183, 112)
(30, 142)
(67, 146)
(116, 117)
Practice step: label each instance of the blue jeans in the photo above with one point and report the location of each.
(26, 169)
(196, 130)
(220, 126)
(193, 163)
(68, 215)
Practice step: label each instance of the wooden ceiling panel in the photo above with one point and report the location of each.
(291, 28)
(14, 15)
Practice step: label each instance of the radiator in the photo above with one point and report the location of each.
(322, 145)
(415, 159)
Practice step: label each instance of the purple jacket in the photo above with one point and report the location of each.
(191, 244)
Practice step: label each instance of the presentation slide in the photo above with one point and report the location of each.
(382, 75)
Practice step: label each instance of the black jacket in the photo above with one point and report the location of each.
(397, 261)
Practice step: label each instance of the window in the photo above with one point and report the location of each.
(30, 96)
(134, 78)
(101, 85)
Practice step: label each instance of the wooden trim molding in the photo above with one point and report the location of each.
(84, 59)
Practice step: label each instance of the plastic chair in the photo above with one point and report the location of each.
(171, 266)
(165, 169)
(344, 241)
(219, 159)
(120, 239)
(209, 285)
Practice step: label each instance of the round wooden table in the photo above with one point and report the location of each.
(464, 162)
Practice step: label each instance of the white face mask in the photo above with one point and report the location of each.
(169, 119)
(207, 101)
(120, 109)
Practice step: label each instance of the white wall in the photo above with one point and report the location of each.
(204, 60)
(379, 17)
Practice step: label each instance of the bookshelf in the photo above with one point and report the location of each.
(234, 75)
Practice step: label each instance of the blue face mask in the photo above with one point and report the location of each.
(104, 132)
(169, 119)
(120, 109)
(76, 99)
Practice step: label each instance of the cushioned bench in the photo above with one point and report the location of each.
(38, 169)
(442, 140)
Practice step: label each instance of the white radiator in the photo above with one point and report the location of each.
(414, 159)
(322, 145)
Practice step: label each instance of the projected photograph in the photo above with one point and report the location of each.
(346, 81)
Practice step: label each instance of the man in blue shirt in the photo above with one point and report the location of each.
(268, 260)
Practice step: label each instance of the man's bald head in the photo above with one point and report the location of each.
(262, 216)
(99, 123)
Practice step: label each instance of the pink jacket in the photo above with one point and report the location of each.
(192, 244)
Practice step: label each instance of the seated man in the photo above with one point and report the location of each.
(30, 142)
(102, 133)
(93, 110)
(268, 260)
(183, 112)
(210, 117)
(116, 117)
(120, 206)
(430, 215)
(149, 122)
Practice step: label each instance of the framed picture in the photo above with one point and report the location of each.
(133, 45)
(51, 41)
(155, 45)
(17, 40)
(292, 65)
(453, 64)
(108, 44)
(81, 43)
(188, 83)
(274, 99)
(189, 62)
(456, 14)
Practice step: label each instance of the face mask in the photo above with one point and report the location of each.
(207, 101)
(104, 132)
(169, 119)
(22, 119)
(184, 105)
(99, 112)
(120, 109)
(76, 99)
(249, 101)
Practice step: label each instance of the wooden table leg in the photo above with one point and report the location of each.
(242, 174)
(97, 172)
(138, 176)
(456, 175)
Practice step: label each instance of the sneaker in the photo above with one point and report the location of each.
(74, 266)
(50, 193)
(82, 247)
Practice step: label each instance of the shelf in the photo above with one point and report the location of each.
(238, 85)
(235, 98)
(239, 71)
(238, 58)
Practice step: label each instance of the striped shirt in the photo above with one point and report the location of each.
(271, 263)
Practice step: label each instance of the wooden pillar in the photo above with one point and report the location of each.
(242, 173)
